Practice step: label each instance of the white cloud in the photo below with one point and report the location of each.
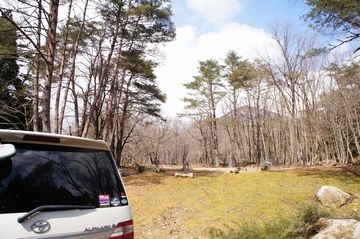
(247, 41)
(341, 53)
(215, 11)
(183, 55)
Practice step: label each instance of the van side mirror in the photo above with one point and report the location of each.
(7, 150)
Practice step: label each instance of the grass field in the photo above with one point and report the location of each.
(167, 207)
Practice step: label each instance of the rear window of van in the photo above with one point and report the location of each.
(50, 175)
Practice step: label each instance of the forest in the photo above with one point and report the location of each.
(86, 68)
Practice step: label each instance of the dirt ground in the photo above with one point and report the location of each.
(169, 169)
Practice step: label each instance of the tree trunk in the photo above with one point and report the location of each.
(37, 71)
(71, 82)
(62, 68)
(103, 80)
(124, 114)
(185, 162)
(50, 50)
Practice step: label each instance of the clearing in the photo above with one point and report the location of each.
(168, 207)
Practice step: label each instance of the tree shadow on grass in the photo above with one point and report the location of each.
(148, 178)
(151, 178)
(348, 175)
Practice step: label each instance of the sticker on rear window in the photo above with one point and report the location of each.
(104, 200)
(115, 202)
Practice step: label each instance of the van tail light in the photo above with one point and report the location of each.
(123, 230)
(122, 195)
(123, 199)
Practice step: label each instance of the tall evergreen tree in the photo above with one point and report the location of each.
(238, 75)
(15, 105)
(206, 92)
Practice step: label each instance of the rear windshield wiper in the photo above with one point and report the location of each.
(47, 208)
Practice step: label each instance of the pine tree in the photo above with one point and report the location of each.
(206, 92)
(336, 17)
(15, 103)
(238, 75)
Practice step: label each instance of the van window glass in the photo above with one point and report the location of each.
(49, 175)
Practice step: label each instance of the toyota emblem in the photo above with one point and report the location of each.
(41, 226)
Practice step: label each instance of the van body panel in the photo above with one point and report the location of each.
(70, 223)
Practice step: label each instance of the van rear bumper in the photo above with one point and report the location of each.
(104, 234)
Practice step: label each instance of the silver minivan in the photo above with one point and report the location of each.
(57, 186)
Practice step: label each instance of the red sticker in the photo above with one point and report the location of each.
(104, 200)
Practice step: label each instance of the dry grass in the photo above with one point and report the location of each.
(168, 207)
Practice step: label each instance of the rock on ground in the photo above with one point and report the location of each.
(338, 229)
(150, 168)
(265, 165)
(331, 196)
(184, 175)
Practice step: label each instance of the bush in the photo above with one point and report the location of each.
(284, 228)
(281, 229)
(311, 213)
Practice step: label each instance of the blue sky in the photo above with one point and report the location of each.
(261, 13)
(208, 29)
(256, 13)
